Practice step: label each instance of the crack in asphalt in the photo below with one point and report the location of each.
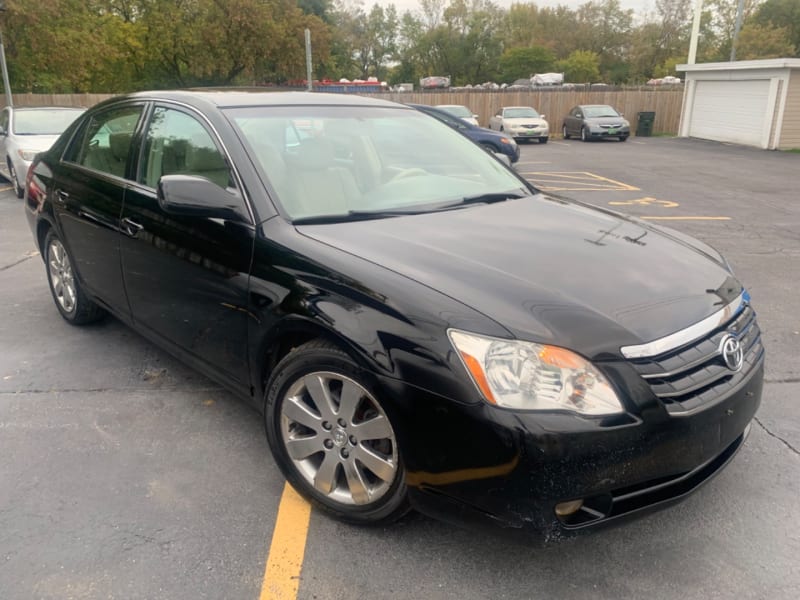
(115, 390)
(21, 260)
(777, 437)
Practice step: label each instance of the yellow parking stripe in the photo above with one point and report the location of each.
(285, 560)
(576, 181)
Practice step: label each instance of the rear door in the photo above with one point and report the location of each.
(187, 277)
(88, 192)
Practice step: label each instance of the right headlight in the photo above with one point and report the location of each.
(528, 376)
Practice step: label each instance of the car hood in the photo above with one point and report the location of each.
(516, 121)
(38, 143)
(548, 270)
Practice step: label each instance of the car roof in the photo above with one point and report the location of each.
(230, 99)
(594, 105)
(519, 107)
(33, 108)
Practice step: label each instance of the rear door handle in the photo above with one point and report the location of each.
(62, 196)
(131, 228)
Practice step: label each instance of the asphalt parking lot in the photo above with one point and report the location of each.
(124, 474)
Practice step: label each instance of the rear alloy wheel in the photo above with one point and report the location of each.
(584, 136)
(332, 438)
(70, 300)
(564, 132)
(12, 173)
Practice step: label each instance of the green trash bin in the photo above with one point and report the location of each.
(644, 124)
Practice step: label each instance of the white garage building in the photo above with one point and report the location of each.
(750, 102)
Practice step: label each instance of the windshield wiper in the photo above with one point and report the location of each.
(362, 215)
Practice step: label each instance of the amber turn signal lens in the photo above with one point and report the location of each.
(477, 374)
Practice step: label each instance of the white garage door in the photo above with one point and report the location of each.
(730, 111)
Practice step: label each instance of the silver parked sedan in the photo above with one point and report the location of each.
(24, 132)
(593, 121)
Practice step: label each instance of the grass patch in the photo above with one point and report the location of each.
(792, 150)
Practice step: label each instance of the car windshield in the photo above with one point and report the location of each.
(599, 111)
(457, 111)
(44, 122)
(521, 112)
(358, 162)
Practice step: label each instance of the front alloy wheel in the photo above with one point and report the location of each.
(332, 438)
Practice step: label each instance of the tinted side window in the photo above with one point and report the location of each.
(177, 143)
(105, 142)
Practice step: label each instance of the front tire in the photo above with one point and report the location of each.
(543, 140)
(564, 132)
(71, 302)
(623, 138)
(584, 136)
(19, 191)
(332, 438)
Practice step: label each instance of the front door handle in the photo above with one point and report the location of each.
(131, 228)
(62, 196)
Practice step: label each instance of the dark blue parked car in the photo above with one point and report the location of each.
(493, 141)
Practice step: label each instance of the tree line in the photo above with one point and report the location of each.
(67, 46)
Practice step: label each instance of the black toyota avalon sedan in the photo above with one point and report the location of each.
(419, 327)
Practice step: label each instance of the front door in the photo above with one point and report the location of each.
(187, 277)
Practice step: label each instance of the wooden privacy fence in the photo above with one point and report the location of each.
(554, 103)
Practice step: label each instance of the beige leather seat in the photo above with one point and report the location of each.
(318, 185)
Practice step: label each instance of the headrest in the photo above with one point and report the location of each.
(119, 144)
(201, 158)
(313, 154)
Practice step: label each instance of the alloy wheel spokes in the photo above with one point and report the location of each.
(61, 276)
(339, 438)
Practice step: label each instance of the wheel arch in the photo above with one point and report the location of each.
(286, 335)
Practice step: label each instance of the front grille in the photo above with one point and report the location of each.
(616, 126)
(687, 377)
(533, 126)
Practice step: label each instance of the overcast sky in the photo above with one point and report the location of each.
(639, 6)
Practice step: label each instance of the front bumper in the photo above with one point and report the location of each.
(527, 134)
(477, 464)
(600, 132)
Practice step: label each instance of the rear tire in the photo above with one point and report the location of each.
(564, 132)
(19, 191)
(332, 438)
(71, 302)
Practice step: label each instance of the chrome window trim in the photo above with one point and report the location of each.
(690, 334)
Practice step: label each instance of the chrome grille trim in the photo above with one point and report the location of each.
(688, 335)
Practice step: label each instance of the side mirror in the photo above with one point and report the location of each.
(542, 116)
(578, 116)
(193, 196)
(474, 116)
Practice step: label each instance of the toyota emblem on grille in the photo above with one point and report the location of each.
(732, 352)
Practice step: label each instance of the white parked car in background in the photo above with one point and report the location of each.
(462, 112)
(521, 123)
(24, 132)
